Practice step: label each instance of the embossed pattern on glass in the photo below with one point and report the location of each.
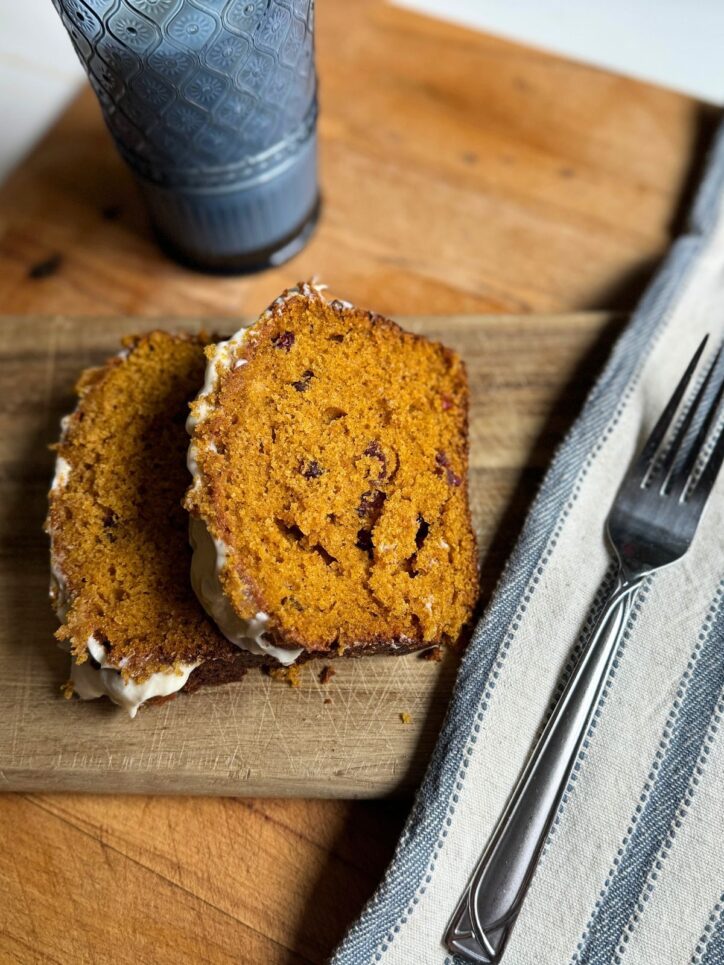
(192, 84)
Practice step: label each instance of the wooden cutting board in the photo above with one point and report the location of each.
(528, 376)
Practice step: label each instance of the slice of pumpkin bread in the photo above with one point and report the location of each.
(120, 557)
(329, 501)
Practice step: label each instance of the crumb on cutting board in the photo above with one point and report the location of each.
(68, 689)
(434, 654)
(291, 675)
(326, 674)
(405, 717)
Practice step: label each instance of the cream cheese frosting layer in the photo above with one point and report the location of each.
(105, 680)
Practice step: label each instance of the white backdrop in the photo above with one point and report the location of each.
(677, 43)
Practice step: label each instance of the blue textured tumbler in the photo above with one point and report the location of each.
(212, 103)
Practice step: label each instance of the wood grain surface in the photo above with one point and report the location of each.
(258, 737)
(460, 174)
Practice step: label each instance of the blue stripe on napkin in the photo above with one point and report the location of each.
(710, 947)
(665, 798)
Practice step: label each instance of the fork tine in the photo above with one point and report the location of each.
(643, 464)
(705, 482)
(669, 462)
(681, 479)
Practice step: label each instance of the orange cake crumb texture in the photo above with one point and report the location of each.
(119, 529)
(289, 675)
(333, 464)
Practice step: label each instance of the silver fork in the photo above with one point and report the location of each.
(651, 524)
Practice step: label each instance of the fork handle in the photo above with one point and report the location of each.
(490, 905)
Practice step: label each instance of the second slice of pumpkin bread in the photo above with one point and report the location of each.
(329, 501)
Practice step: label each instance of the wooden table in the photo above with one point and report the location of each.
(460, 173)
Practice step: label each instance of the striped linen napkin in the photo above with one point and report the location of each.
(633, 870)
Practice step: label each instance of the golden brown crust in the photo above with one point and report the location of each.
(332, 462)
(118, 529)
